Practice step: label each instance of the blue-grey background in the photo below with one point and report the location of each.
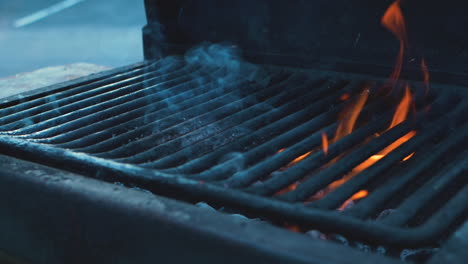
(104, 32)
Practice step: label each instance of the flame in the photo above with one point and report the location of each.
(293, 228)
(425, 72)
(357, 196)
(369, 162)
(345, 97)
(402, 109)
(290, 188)
(300, 158)
(324, 143)
(394, 21)
(349, 116)
(373, 159)
(400, 115)
(408, 157)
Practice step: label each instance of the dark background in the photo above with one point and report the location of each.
(315, 32)
(104, 32)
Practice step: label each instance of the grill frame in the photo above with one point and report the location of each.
(191, 189)
(146, 227)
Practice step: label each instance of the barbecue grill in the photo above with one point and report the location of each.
(246, 137)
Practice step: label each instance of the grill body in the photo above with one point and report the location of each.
(203, 132)
(211, 128)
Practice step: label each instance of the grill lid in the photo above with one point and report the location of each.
(227, 135)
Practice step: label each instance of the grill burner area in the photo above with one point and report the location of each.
(228, 136)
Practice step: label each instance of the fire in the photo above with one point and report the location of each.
(294, 228)
(373, 159)
(399, 116)
(402, 109)
(425, 72)
(394, 21)
(408, 157)
(349, 116)
(324, 143)
(357, 196)
(300, 158)
(290, 188)
(345, 97)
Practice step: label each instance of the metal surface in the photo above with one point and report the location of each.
(69, 218)
(225, 135)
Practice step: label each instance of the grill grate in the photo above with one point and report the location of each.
(202, 132)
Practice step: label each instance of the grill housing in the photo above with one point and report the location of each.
(212, 133)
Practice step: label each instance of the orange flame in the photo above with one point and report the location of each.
(300, 158)
(290, 188)
(394, 21)
(357, 196)
(324, 143)
(425, 74)
(408, 157)
(373, 159)
(400, 115)
(402, 108)
(345, 97)
(349, 116)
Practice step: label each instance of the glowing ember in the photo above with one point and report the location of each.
(408, 157)
(324, 143)
(373, 159)
(345, 97)
(300, 158)
(425, 72)
(349, 116)
(394, 21)
(403, 108)
(294, 228)
(357, 196)
(291, 187)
